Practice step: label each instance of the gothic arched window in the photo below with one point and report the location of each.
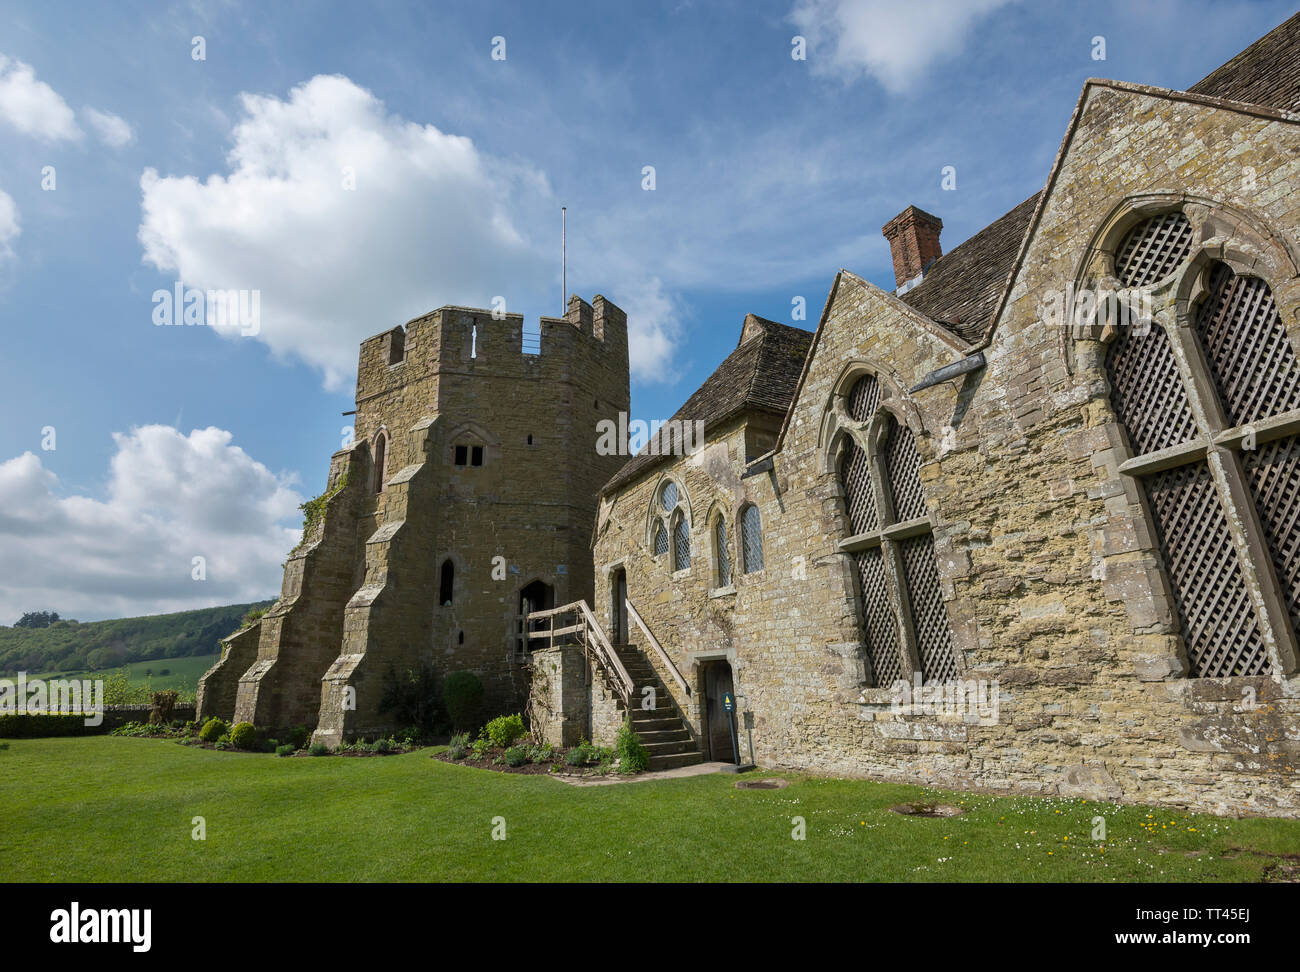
(447, 583)
(751, 539)
(721, 552)
(681, 542)
(892, 544)
(1207, 408)
(381, 461)
(670, 530)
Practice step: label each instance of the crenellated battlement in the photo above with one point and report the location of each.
(590, 338)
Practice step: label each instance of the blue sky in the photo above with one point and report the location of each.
(770, 174)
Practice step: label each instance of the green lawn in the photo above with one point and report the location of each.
(117, 809)
(183, 673)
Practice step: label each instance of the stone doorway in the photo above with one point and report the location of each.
(618, 609)
(537, 596)
(716, 676)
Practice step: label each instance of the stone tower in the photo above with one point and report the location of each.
(466, 499)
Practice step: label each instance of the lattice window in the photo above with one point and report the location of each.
(879, 618)
(681, 543)
(1152, 249)
(722, 551)
(1143, 372)
(661, 539)
(859, 496)
(933, 640)
(1273, 472)
(1253, 371)
(1218, 619)
(864, 396)
(1247, 348)
(751, 539)
(904, 464)
(668, 496)
(904, 620)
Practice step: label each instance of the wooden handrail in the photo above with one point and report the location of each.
(654, 642)
(594, 641)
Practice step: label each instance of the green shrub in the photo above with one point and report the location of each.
(516, 755)
(270, 746)
(479, 747)
(285, 750)
(458, 746)
(243, 735)
(213, 730)
(319, 749)
(633, 757)
(504, 730)
(30, 726)
(578, 755)
(299, 737)
(410, 736)
(382, 746)
(462, 694)
(544, 753)
(222, 743)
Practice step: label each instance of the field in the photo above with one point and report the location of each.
(184, 673)
(117, 809)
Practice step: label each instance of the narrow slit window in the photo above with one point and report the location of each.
(447, 583)
(462, 455)
(476, 456)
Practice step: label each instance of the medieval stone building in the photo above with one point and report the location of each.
(1057, 465)
(464, 503)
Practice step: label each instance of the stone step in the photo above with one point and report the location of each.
(670, 748)
(656, 723)
(664, 735)
(674, 761)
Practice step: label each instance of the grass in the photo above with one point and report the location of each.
(184, 673)
(115, 809)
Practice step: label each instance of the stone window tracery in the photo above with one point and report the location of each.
(1209, 398)
(891, 542)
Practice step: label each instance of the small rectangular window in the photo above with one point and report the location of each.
(461, 453)
(476, 456)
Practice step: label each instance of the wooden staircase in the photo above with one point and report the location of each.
(662, 729)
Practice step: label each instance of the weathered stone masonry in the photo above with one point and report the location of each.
(1055, 580)
(483, 452)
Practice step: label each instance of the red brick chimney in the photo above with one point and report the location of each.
(914, 242)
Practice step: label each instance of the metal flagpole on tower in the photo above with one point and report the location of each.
(564, 283)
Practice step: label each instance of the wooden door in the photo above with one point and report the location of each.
(717, 683)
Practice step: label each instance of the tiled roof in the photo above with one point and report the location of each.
(760, 375)
(1266, 73)
(961, 288)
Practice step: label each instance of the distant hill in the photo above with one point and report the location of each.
(73, 646)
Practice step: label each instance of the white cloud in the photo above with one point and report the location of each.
(112, 129)
(432, 221)
(32, 107)
(9, 228)
(654, 324)
(170, 498)
(895, 43)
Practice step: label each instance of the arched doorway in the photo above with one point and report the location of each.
(717, 722)
(537, 596)
(618, 609)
